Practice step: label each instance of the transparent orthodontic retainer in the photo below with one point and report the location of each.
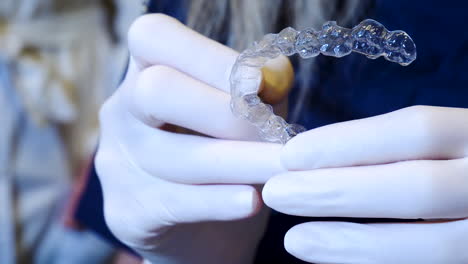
(369, 38)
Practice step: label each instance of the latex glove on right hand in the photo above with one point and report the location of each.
(179, 198)
(408, 164)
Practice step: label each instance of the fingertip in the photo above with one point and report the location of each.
(306, 151)
(215, 203)
(273, 191)
(248, 201)
(316, 242)
(292, 241)
(278, 77)
(266, 193)
(147, 50)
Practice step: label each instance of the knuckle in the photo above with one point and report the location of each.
(419, 109)
(140, 222)
(155, 79)
(152, 21)
(288, 156)
(423, 120)
(152, 85)
(156, 23)
(420, 115)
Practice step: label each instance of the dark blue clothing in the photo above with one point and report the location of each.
(355, 87)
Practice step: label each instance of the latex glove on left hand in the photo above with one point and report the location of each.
(178, 198)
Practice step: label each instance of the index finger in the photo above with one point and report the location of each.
(413, 133)
(194, 159)
(160, 39)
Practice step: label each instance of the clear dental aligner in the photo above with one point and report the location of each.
(369, 38)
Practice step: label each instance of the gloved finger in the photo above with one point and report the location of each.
(170, 204)
(140, 207)
(165, 94)
(349, 243)
(199, 203)
(199, 160)
(412, 189)
(159, 39)
(185, 158)
(420, 132)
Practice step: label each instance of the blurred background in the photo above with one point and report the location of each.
(59, 60)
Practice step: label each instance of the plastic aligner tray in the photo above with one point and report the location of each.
(369, 38)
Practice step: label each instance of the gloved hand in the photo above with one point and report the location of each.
(180, 198)
(407, 164)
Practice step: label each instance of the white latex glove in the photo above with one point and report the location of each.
(407, 164)
(179, 198)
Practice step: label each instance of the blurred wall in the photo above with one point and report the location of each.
(59, 60)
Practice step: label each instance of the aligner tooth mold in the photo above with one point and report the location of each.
(369, 38)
